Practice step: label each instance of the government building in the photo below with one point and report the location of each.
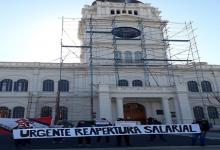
(126, 71)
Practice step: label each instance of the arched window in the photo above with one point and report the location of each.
(46, 111)
(128, 57)
(118, 12)
(135, 12)
(130, 12)
(63, 86)
(213, 113)
(124, 11)
(5, 112)
(6, 85)
(63, 113)
(198, 112)
(48, 85)
(122, 83)
(193, 86)
(18, 112)
(206, 86)
(21, 85)
(112, 12)
(137, 83)
(117, 56)
(138, 56)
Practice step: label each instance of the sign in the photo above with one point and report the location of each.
(105, 131)
(8, 124)
(126, 123)
(126, 32)
(102, 123)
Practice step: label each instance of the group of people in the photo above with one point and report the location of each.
(101, 123)
(204, 127)
(203, 124)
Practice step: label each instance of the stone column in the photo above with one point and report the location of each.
(166, 110)
(35, 80)
(119, 106)
(105, 106)
(177, 110)
(185, 108)
(183, 101)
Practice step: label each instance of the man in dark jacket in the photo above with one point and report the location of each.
(103, 123)
(83, 123)
(119, 137)
(153, 121)
(204, 127)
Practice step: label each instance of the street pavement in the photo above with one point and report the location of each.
(209, 147)
(213, 135)
(141, 142)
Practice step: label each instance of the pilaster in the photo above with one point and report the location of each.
(105, 105)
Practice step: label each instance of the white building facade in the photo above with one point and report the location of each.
(129, 75)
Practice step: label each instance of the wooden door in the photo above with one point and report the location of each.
(4, 112)
(135, 112)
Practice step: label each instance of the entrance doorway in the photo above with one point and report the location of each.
(135, 112)
(4, 112)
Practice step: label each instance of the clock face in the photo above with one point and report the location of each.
(126, 32)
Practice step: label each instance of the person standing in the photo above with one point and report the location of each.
(153, 121)
(103, 123)
(119, 137)
(87, 139)
(204, 127)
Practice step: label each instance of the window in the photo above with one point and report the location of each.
(118, 11)
(112, 12)
(5, 112)
(6, 85)
(137, 83)
(46, 111)
(159, 112)
(198, 112)
(123, 11)
(63, 113)
(18, 112)
(206, 86)
(135, 12)
(122, 83)
(117, 56)
(130, 12)
(193, 86)
(21, 85)
(213, 113)
(48, 85)
(128, 57)
(138, 57)
(63, 86)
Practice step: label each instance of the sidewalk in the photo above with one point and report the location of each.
(208, 147)
(213, 135)
(140, 142)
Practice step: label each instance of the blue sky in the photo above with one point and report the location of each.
(30, 29)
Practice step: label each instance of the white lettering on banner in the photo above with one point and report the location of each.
(107, 131)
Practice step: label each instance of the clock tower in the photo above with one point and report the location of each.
(121, 32)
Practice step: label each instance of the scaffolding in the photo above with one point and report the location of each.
(116, 61)
(109, 56)
(195, 65)
(178, 51)
(144, 53)
(29, 105)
